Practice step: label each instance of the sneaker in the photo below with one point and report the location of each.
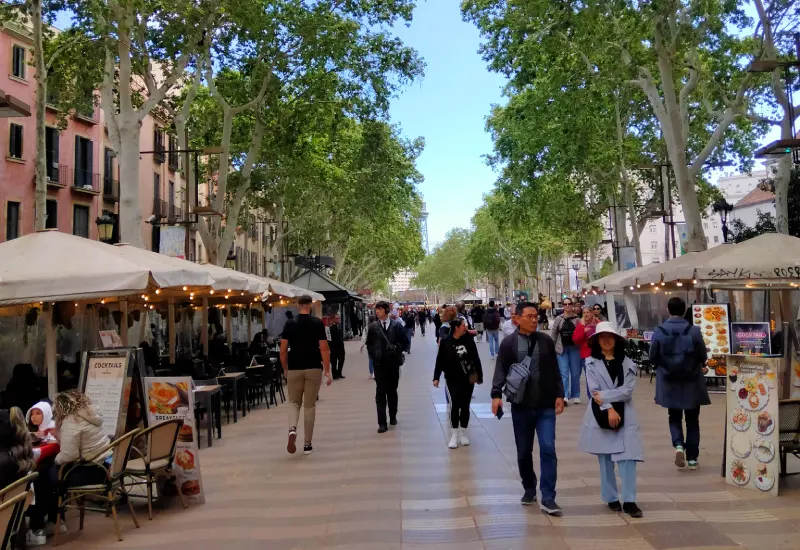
(453, 440)
(383, 428)
(463, 440)
(632, 510)
(566, 402)
(372, 377)
(615, 506)
(50, 529)
(550, 508)
(576, 401)
(291, 446)
(36, 538)
(342, 377)
(680, 457)
(308, 449)
(528, 498)
(692, 464)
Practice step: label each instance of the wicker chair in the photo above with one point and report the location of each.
(789, 430)
(109, 492)
(160, 441)
(19, 487)
(11, 513)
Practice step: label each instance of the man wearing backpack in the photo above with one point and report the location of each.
(526, 364)
(569, 353)
(679, 354)
(491, 324)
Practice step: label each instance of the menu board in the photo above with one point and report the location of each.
(713, 320)
(750, 339)
(752, 440)
(103, 382)
(794, 374)
(169, 398)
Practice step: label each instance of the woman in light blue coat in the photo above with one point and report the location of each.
(610, 428)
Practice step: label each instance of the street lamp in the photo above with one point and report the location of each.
(576, 267)
(722, 207)
(230, 261)
(105, 227)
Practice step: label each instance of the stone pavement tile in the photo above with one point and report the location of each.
(538, 542)
(474, 545)
(440, 535)
(607, 544)
(767, 542)
(663, 535)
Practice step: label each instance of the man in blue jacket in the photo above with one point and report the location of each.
(679, 354)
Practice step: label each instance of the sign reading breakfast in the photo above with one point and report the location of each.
(172, 397)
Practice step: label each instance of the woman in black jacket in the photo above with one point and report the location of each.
(458, 359)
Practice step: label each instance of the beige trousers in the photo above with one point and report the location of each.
(303, 386)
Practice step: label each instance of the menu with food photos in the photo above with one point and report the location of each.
(169, 398)
(752, 440)
(713, 320)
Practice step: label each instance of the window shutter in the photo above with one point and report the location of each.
(12, 141)
(89, 176)
(78, 163)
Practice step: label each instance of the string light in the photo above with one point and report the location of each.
(694, 281)
(242, 294)
(679, 283)
(185, 288)
(158, 291)
(638, 286)
(146, 298)
(229, 291)
(212, 291)
(652, 284)
(101, 301)
(663, 283)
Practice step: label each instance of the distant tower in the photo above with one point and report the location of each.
(423, 225)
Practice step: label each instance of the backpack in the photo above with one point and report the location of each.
(678, 356)
(567, 330)
(519, 374)
(491, 320)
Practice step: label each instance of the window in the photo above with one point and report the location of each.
(84, 161)
(708, 240)
(173, 156)
(714, 224)
(192, 248)
(80, 220)
(652, 228)
(51, 215)
(158, 145)
(51, 148)
(716, 239)
(653, 245)
(171, 198)
(157, 210)
(238, 258)
(110, 189)
(254, 263)
(705, 225)
(12, 220)
(18, 62)
(15, 141)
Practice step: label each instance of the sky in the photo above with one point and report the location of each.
(448, 107)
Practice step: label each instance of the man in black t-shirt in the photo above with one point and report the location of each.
(304, 356)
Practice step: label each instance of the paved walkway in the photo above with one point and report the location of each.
(406, 489)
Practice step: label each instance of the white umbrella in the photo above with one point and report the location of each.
(772, 256)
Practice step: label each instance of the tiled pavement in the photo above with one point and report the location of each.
(406, 489)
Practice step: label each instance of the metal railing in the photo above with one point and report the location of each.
(84, 180)
(110, 189)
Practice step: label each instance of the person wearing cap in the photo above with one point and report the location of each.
(610, 428)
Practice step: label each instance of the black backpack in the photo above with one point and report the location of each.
(678, 356)
(567, 330)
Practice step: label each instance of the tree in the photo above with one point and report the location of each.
(742, 232)
(698, 96)
(446, 270)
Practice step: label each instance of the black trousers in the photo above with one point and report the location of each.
(422, 327)
(386, 380)
(337, 362)
(460, 398)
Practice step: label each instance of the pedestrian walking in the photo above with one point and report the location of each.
(679, 354)
(437, 321)
(491, 324)
(462, 313)
(610, 427)
(458, 359)
(305, 356)
(410, 321)
(597, 309)
(569, 356)
(337, 348)
(422, 319)
(477, 314)
(535, 406)
(583, 332)
(386, 340)
(509, 324)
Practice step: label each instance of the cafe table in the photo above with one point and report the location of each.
(41, 452)
(234, 380)
(205, 394)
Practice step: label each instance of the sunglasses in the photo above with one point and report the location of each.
(597, 308)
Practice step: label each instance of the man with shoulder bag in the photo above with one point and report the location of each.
(386, 340)
(679, 354)
(527, 373)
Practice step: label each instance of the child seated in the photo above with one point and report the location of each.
(40, 421)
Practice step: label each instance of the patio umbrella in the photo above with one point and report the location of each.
(772, 256)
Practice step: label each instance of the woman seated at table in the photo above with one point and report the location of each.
(81, 435)
(16, 451)
(40, 421)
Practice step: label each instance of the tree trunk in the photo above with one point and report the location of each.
(40, 114)
(130, 217)
(626, 184)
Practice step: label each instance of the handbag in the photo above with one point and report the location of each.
(601, 416)
(400, 358)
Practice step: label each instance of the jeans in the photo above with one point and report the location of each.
(303, 389)
(46, 489)
(410, 334)
(608, 480)
(460, 396)
(371, 366)
(527, 422)
(692, 442)
(569, 363)
(386, 380)
(493, 337)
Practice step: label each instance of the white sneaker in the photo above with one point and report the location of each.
(453, 440)
(36, 538)
(50, 529)
(372, 377)
(576, 401)
(463, 440)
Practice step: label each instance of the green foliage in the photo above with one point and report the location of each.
(607, 268)
(739, 231)
(447, 269)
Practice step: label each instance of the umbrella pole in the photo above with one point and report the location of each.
(171, 328)
(50, 352)
(204, 330)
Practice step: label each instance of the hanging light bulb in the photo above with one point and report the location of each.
(229, 291)
(638, 286)
(694, 281)
(211, 291)
(679, 283)
(146, 298)
(101, 301)
(158, 291)
(663, 283)
(652, 284)
(185, 288)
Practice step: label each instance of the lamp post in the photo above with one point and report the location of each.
(576, 267)
(230, 261)
(723, 208)
(105, 227)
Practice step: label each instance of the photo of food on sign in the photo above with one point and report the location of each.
(166, 398)
(712, 320)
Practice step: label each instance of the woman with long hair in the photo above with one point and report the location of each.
(447, 315)
(583, 331)
(16, 450)
(610, 428)
(458, 359)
